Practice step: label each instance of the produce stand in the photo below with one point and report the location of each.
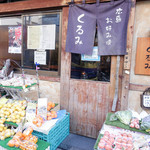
(57, 134)
(117, 123)
(117, 127)
(49, 134)
(15, 91)
(42, 145)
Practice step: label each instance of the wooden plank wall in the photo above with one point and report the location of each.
(89, 103)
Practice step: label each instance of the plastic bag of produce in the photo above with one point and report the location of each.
(145, 123)
(113, 117)
(124, 116)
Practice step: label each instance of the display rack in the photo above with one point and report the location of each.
(15, 91)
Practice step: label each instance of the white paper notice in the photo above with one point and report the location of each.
(41, 37)
(42, 107)
(48, 37)
(40, 57)
(34, 34)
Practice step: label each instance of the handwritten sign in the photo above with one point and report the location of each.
(143, 56)
(40, 57)
(41, 37)
(146, 100)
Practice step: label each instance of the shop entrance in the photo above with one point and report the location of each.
(87, 101)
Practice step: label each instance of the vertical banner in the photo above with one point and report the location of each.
(112, 27)
(14, 36)
(81, 29)
(112, 21)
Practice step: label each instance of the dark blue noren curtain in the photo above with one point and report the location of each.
(112, 21)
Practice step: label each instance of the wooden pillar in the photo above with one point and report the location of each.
(65, 63)
(127, 59)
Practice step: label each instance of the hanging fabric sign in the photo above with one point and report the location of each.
(111, 19)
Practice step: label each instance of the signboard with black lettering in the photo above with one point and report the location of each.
(143, 56)
(146, 100)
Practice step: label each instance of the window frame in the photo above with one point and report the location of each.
(35, 13)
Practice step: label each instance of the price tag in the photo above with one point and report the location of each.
(146, 100)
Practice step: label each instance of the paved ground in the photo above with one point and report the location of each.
(77, 142)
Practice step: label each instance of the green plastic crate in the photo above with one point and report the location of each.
(57, 134)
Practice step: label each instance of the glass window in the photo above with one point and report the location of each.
(42, 24)
(15, 39)
(91, 70)
(10, 39)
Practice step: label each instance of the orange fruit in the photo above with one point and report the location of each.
(39, 124)
(34, 121)
(55, 116)
(53, 112)
(53, 105)
(49, 118)
(11, 143)
(48, 114)
(17, 143)
(19, 134)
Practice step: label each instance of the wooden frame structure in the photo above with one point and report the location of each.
(87, 101)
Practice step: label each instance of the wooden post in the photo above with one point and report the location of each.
(127, 59)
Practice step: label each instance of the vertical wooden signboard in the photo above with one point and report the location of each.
(142, 66)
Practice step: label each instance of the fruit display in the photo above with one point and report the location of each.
(27, 132)
(26, 145)
(122, 141)
(51, 115)
(13, 111)
(3, 101)
(24, 141)
(50, 105)
(134, 123)
(38, 121)
(5, 133)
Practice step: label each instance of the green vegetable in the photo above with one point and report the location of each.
(113, 117)
(124, 116)
(145, 123)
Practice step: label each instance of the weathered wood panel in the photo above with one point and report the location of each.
(65, 64)
(30, 5)
(92, 98)
(137, 87)
(23, 6)
(126, 77)
(103, 104)
(89, 102)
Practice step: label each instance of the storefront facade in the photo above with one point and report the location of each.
(87, 101)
